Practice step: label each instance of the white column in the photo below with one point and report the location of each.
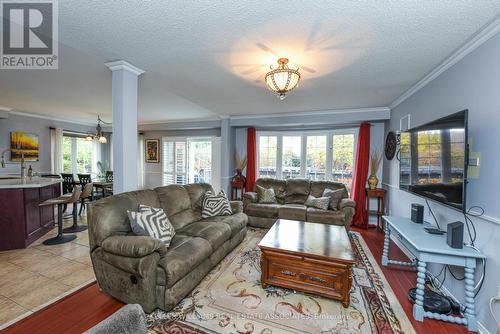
(124, 105)
(225, 155)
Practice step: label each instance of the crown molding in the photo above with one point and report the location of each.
(314, 113)
(123, 65)
(71, 121)
(472, 44)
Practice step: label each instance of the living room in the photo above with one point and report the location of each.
(275, 167)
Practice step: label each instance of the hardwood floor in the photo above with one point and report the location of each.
(83, 309)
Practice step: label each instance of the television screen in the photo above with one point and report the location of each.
(433, 160)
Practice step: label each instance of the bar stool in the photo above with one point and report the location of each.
(86, 194)
(60, 202)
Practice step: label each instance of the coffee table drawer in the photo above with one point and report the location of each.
(306, 276)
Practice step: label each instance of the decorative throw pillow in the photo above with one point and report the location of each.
(335, 197)
(266, 196)
(151, 222)
(319, 203)
(215, 205)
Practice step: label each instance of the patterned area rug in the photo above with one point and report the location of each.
(231, 300)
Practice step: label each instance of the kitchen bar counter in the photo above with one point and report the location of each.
(22, 220)
(27, 182)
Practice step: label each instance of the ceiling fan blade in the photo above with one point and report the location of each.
(264, 47)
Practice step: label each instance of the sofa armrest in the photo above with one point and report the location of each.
(133, 246)
(249, 197)
(346, 202)
(236, 206)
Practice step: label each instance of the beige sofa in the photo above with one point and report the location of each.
(291, 196)
(140, 269)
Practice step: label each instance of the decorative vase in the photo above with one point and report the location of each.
(238, 177)
(372, 182)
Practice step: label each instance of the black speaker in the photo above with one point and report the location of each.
(417, 213)
(455, 235)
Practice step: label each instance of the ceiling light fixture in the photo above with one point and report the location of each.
(282, 79)
(99, 136)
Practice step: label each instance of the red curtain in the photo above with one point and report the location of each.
(358, 190)
(251, 159)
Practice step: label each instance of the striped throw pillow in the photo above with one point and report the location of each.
(151, 222)
(215, 205)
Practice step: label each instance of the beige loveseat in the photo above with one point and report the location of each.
(291, 196)
(140, 269)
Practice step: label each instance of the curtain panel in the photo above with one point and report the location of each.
(251, 173)
(358, 191)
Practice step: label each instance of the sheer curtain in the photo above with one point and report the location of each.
(56, 149)
(96, 157)
(140, 162)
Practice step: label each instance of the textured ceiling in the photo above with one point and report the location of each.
(206, 59)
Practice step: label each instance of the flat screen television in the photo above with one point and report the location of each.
(433, 160)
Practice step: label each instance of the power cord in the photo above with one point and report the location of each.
(492, 311)
(432, 213)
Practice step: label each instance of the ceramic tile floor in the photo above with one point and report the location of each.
(35, 276)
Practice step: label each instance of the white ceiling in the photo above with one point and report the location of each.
(205, 59)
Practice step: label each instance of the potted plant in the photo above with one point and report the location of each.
(240, 164)
(375, 160)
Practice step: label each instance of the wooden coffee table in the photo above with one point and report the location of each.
(308, 257)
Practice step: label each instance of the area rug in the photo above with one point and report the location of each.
(230, 299)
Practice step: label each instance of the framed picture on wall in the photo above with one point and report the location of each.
(152, 150)
(23, 143)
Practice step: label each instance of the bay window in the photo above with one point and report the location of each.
(316, 155)
(291, 161)
(268, 148)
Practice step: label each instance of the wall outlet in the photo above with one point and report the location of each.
(498, 291)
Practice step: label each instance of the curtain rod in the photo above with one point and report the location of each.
(310, 127)
(69, 131)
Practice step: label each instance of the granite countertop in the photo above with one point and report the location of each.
(7, 182)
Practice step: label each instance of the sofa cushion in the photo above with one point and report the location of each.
(279, 187)
(292, 211)
(325, 216)
(265, 195)
(152, 222)
(214, 232)
(215, 205)
(185, 254)
(335, 197)
(109, 215)
(297, 191)
(318, 187)
(262, 210)
(318, 202)
(196, 193)
(236, 222)
(176, 202)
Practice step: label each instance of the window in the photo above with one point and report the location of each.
(343, 158)
(316, 155)
(316, 158)
(291, 159)
(77, 155)
(187, 160)
(268, 149)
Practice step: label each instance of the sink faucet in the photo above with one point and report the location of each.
(23, 167)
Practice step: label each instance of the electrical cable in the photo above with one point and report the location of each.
(492, 311)
(432, 213)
